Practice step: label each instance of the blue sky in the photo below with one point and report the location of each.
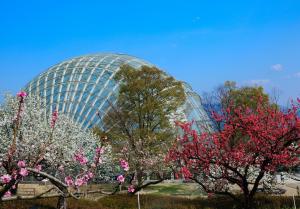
(202, 42)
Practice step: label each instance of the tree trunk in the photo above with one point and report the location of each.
(248, 202)
(62, 202)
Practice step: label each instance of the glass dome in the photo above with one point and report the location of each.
(83, 86)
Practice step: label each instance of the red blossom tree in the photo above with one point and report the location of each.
(251, 144)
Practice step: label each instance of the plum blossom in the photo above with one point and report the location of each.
(99, 150)
(38, 167)
(36, 133)
(22, 95)
(23, 172)
(7, 194)
(131, 189)
(79, 157)
(124, 165)
(79, 182)
(121, 178)
(54, 118)
(100, 161)
(21, 164)
(69, 181)
(90, 174)
(6, 178)
(186, 173)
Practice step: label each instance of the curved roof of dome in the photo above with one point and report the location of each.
(83, 86)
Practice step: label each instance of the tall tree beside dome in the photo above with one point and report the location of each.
(139, 123)
(229, 94)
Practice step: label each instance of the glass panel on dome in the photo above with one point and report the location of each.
(72, 64)
(97, 89)
(89, 88)
(88, 71)
(62, 96)
(76, 77)
(58, 79)
(91, 114)
(92, 64)
(66, 78)
(84, 96)
(98, 71)
(77, 95)
(84, 77)
(94, 78)
(76, 116)
(64, 87)
(98, 102)
(48, 91)
(48, 98)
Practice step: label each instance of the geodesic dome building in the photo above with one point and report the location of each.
(83, 86)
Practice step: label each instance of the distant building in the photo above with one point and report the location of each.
(83, 86)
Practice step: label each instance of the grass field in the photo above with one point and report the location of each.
(160, 196)
(190, 190)
(153, 202)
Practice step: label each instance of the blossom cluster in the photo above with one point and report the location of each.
(121, 178)
(58, 143)
(18, 172)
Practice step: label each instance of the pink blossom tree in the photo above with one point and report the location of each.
(251, 144)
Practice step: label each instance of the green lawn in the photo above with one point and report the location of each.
(175, 189)
(160, 196)
(153, 202)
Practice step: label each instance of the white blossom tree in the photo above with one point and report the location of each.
(53, 148)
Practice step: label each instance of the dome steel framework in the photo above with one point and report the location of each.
(83, 86)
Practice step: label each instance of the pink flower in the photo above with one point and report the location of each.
(38, 167)
(186, 172)
(21, 164)
(22, 95)
(54, 118)
(90, 174)
(79, 157)
(6, 178)
(131, 189)
(23, 172)
(7, 194)
(93, 165)
(124, 165)
(100, 161)
(79, 182)
(99, 150)
(121, 178)
(69, 181)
